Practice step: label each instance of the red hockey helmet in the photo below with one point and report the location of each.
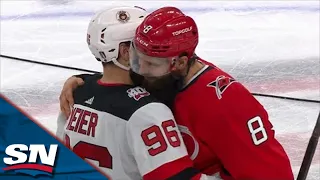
(162, 36)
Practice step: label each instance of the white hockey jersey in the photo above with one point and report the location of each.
(125, 132)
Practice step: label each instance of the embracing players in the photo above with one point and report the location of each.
(226, 130)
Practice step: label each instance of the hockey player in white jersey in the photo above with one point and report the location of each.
(115, 125)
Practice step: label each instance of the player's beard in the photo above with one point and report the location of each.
(137, 79)
(164, 88)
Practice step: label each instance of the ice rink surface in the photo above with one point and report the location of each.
(273, 48)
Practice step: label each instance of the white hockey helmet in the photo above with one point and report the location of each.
(110, 27)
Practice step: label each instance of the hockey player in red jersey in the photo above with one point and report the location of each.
(116, 125)
(226, 130)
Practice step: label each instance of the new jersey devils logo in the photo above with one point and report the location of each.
(221, 84)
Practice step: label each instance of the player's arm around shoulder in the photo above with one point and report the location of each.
(85, 77)
(157, 145)
(246, 136)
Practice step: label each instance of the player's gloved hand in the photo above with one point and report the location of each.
(66, 96)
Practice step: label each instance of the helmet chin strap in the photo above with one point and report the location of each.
(114, 60)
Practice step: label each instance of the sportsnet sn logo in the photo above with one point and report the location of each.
(24, 159)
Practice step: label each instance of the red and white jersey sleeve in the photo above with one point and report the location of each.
(155, 143)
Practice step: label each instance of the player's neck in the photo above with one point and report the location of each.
(115, 75)
(194, 69)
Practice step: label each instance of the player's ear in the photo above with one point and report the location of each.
(124, 52)
(181, 63)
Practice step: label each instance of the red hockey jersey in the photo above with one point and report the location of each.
(227, 131)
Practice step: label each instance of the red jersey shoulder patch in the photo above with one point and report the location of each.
(221, 84)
